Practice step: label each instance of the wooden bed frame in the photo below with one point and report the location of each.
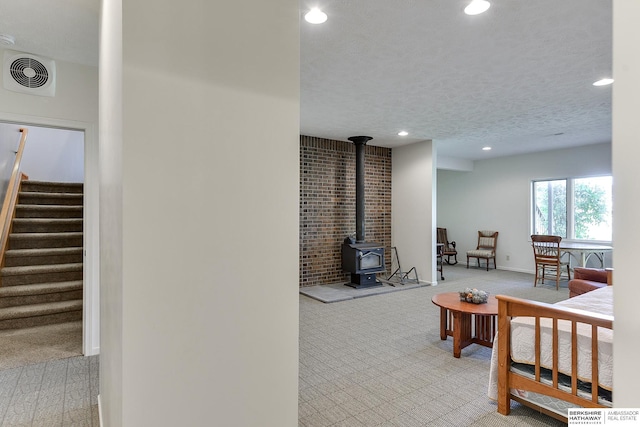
(509, 307)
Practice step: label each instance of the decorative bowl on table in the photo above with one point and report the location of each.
(475, 296)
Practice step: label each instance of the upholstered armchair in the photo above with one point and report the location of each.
(486, 249)
(588, 279)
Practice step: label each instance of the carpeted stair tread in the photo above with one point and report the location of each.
(47, 186)
(46, 225)
(51, 195)
(41, 269)
(47, 220)
(40, 293)
(31, 274)
(42, 252)
(40, 256)
(45, 235)
(40, 288)
(48, 211)
(48, 207)
(50, 198)
(45, 240)
(34, 310)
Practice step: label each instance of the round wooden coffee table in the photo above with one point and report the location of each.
(466, 322)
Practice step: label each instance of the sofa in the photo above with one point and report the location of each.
(587, 279)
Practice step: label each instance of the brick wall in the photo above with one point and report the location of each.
(328, 206)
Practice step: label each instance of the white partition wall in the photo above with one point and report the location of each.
(111, 397)
(626, 204)
(413, 207)
(200, 177)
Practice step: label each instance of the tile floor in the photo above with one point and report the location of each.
(60, 393)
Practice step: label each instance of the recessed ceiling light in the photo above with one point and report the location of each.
(403, 133)
(477, 7)
(7, 40)
(603, 82)
(315, 16)
(486, 148)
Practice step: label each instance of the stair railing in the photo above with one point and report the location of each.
(8, 207)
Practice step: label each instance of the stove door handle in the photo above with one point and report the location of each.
(367, 254)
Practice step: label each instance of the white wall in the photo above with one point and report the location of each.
(413, 207)
(49, 154)
(55, 155)
(75, 106)
(200, 296)
(452, 163)
(626, 203)
(111, 249)
(9, 142)
(496, 196)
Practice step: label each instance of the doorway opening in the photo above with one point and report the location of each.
(53, 155)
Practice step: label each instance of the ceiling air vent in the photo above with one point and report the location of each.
(26, 73)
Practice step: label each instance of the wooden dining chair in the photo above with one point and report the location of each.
(448, 248)
(486, 248)
(548, 258)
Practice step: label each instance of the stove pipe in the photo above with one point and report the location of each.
(360, 142)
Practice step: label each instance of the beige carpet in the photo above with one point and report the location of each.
(20, 347)
(379, 361)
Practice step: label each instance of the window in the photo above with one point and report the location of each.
(574, 208)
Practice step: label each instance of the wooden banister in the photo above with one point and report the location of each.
(8, 207)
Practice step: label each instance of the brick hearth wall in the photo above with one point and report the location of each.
(328, 207)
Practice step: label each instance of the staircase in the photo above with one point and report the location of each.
(41, 281)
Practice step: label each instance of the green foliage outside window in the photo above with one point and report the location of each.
(592, 208)
(551, 196)
(587, 199)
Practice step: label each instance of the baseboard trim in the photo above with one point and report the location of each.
(516, 270)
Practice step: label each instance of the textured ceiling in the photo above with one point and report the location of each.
(66, 30)
(513, 78)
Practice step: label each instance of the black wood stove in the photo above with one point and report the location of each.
(362, 259)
